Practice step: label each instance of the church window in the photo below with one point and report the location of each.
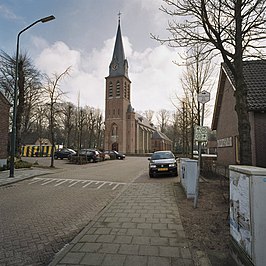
(113, 111)
(114, 130)
(118, 112)
(128, 92)
(110, 89)
(118, 89)
(125, 90)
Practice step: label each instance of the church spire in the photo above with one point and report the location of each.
(119, 65)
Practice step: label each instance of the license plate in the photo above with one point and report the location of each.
(162, 169)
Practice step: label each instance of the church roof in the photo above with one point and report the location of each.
(159, 135)
(144, 121)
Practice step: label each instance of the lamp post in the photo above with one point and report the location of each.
(14, 118)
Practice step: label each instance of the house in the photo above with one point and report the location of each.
(125, 130)
(225, 120)
(4, 129)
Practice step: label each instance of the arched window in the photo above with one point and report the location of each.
(110, 89)
(128, 91)
(125, 90)
(118, 89)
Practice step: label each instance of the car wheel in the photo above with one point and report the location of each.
(91, 160)
(151, 175)
(56, 157)
(61, 158)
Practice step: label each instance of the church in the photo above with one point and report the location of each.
(125, 130)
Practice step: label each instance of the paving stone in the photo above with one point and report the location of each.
(148, 250)
(138, 220)
(119, 231)
(72, 258)
(151, 232)
(170, 252)
(136, 261)
(109, 248)
(106, 238)
(113, 225)
(124, 219)
(129, 249)
(159, 241)
(129, 225)
(141, 240)
(89, 238)
(90, 247)
(158, 261)
(144, 226)
(135, 232)
(181, 262)
(103, 231)
(123, 239)
(114, 260)
(92, 259)
(168, 233)
(159, 226)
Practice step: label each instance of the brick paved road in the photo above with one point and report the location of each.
(38, 218)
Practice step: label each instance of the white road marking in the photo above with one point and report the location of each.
(35, 180)
(115, 186)
(47, 182)
(72, 182)
(88, 184)
(101, 185)
(61, 182)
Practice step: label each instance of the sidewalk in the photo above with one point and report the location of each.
(21, 174)
(140, 227)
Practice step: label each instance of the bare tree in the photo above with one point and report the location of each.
(163, 118)
(235, 30)
(68, 121)
(149, 115)
(29, 89)
(53, 95)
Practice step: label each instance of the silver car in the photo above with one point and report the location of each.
(162, 162)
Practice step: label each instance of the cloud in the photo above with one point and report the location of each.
(7, 13)
(154, 77)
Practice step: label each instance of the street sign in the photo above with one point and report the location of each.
(201, 133)
(203, 97)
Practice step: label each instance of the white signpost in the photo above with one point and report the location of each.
(204, 97)
(201, 135)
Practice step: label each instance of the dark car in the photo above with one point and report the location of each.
(63, 153)
(91, 155)
(115, 155)
(162, 162)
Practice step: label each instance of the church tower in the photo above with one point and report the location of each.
(117, 99)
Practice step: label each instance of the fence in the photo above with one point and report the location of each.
(37, 150)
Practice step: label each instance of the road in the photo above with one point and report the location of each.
(40, 215)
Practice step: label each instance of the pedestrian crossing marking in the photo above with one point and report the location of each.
(72, 182)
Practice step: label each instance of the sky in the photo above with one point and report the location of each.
(82, 37)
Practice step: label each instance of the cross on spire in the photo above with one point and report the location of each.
(119, 16)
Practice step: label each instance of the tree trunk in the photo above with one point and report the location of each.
(241, 92)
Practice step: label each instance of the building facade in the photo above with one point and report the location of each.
(4, 129)
(125, 130)
(225, 120)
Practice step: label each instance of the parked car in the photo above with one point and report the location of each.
(162, 162)
(91, 155)
(63, 153)
(115, 155)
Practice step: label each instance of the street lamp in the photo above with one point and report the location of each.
(14, 118)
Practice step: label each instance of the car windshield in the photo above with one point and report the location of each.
(162, 155)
